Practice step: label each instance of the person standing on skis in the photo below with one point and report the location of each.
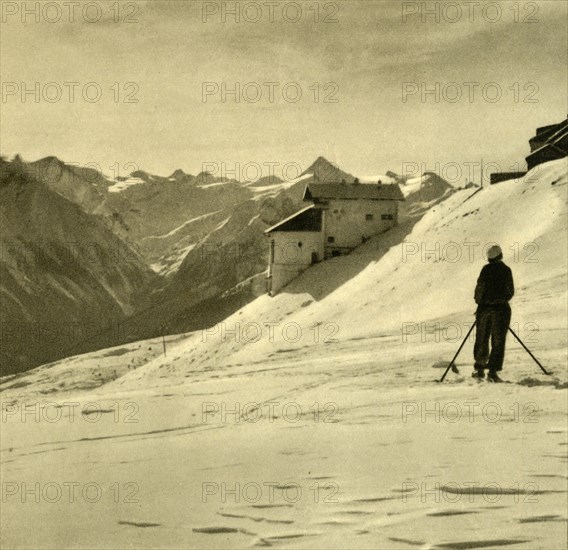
(493, 291)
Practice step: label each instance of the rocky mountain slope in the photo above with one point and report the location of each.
(66, 279)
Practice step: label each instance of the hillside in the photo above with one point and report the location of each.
(82, 185)
(402, 277)
(223, 259)
(66, 279)
(204, 240)
(213, 262)
(232, 257)
(421, 191)
(341, 438)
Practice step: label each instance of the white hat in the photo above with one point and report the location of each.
(494, 251)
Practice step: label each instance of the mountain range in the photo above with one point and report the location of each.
(177, 253)
(67, 280)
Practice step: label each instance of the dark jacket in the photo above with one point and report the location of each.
(494, 285)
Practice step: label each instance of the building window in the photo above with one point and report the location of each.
(387, 217)
(331, 239)
(369, 217)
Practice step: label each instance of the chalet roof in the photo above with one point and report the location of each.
(547, 133)
(307, 219)
(558, 141)
(550, 128)
(348, 191)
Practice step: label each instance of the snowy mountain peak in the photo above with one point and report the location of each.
(325, 171)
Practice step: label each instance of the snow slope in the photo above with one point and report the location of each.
(341, 439)
(124, 183)
(428, 275)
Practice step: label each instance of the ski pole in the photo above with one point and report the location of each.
(457, 352)
(528, 351)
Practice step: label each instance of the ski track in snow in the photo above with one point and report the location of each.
(376, 503)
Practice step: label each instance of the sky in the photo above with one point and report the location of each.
(371, 85)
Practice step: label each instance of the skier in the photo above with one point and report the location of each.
(493, 291)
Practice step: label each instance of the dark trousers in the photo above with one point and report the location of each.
(492, 322)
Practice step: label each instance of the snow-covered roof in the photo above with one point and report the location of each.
(352, 191)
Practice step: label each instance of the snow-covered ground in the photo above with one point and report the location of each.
(181, 227)
(121, 185)
(276, 187)
(313, 419)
